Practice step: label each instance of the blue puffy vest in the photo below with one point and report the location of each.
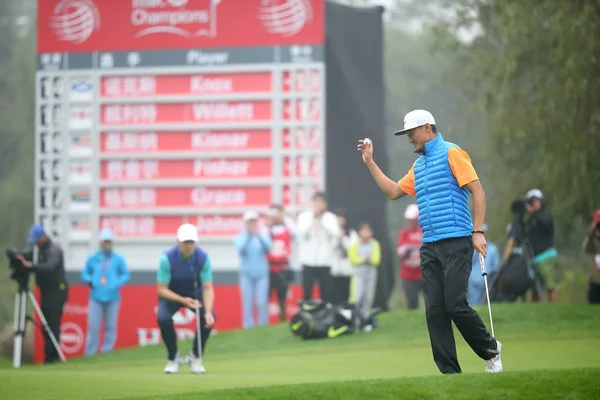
(186, 273)
(443, 205)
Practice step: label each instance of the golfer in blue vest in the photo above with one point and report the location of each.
(184, 279)
(441, 178)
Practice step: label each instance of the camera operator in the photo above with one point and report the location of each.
(591, 245)
(540, 232)
(50, 277)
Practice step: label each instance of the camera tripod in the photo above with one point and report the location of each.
(21, 317)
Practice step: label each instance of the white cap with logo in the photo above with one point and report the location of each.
(187, 233)
(414, 119)
(250, 215)
(537, 193)
(411, 212)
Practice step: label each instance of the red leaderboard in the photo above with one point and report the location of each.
(199, 106)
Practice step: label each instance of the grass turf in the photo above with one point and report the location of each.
(391, 362)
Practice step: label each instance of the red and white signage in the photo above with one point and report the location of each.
(302, 167)
(219, 225)
(89, 25)
(208, 169)
(302, 110)
(302, 81)
(302, 138)
(141, 226)
(169, 197)
(137, 325)
(150, 226)
(198, 84)
(185, 142)
(207, 112)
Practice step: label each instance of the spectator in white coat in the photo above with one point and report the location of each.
(318, 233)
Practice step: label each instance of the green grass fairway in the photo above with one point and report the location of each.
(550, 352)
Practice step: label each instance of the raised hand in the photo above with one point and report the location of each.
(365, 147)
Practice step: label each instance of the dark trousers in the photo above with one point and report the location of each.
(322, 274)
(52, 307)
(166, 309)
(445, 269)
(341, 290)
(594, 293)
(278, 283)
(411, 291)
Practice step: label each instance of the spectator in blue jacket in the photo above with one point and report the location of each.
(105, 272)
(252, 246)
(476, 292)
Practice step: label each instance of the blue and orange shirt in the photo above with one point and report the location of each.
(438, 179)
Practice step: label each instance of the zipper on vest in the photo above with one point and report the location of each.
(427, 195)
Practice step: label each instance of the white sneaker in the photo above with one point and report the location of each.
(494, 365)
(195, 364)
(173, 366)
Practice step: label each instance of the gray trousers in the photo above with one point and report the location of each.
(365, 280)
(411, 290)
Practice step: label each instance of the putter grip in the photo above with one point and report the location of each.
(482, 264)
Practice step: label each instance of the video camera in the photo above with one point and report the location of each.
(517, 207)
(18, 270)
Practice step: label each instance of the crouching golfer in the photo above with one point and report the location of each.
(442, 178)
(184, 279)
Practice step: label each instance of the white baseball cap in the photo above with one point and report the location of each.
(187, 232)
(537, 193)
(414, 119)
(411, 212)
(106, 235)
(250, 215)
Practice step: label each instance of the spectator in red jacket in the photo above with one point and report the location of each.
(409, 243)
(282, 233)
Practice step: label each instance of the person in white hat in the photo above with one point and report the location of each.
(409, 243)
(185, 279)
(540, 233)
(253, 244)
(105, 272)
(442, 178)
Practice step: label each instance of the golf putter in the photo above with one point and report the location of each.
(199, 336)
(487, 292)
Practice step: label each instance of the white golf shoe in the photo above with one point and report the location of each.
(195, 364)
(173, 366)
(494, 365)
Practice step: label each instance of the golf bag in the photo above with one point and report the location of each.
(317, 320)
(516, 276)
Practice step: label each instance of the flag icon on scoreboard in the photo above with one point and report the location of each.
(81, 90)
(80, 141)
(81, 196)
(80, 224)
(80, 117)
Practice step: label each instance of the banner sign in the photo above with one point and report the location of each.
(137, 317)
